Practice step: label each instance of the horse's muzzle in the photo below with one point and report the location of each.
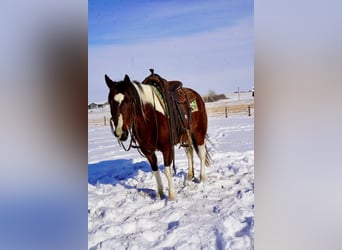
(123, 136)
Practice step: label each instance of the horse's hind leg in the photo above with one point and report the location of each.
(202, 154)
(152, 158)
(201, 151)
(190, 155)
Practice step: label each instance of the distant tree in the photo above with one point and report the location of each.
(211, 92)
(212, 96)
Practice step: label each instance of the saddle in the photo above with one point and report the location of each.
(177, 106)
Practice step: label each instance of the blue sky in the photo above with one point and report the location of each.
(208, 45)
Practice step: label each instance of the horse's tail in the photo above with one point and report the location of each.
(207, 155)
(208, 158)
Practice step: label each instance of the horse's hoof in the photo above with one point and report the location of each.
(195, 180)
(162, 196)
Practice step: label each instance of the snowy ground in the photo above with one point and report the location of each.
(124, 212)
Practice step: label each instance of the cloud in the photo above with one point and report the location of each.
(220, 59)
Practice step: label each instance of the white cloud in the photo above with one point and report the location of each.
(220, 60)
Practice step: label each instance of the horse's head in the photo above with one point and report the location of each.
(120, 99)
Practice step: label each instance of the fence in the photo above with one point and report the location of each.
(220, 111)
(231, 110)
(99, 121)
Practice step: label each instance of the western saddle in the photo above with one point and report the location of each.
(177, 108)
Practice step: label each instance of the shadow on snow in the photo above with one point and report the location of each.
(115, 171)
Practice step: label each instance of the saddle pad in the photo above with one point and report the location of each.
(160, 98)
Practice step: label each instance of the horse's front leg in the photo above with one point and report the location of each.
(168, 173)
(152, 158)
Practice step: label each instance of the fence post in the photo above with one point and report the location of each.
(104, 120)
(226, 111)
(249, 110)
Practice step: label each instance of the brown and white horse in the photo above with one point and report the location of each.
(137, 111)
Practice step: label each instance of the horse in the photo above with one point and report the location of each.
(138, 111)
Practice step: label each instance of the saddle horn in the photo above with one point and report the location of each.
(152, 72)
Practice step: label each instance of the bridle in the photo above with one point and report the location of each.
(133, 142)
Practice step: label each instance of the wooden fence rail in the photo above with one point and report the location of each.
(223, 111)
(226, 111)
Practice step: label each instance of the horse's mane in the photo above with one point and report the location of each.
(136, 96)
(136, 93)
(139, 85)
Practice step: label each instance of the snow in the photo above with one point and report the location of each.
(125, 212)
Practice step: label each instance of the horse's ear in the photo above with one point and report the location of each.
(109, 82)
(127, 80)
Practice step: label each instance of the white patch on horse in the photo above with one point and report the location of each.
(168, 174)
(202, 151)
(118, 129)
(119, 98)
(148, 96)
(159, 183)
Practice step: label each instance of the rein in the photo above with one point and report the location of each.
(131, 142)
(120, 142)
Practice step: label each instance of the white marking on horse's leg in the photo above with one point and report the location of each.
(202, 151)
(159, 183)
(118, 129)
(190, 154)
(119, 98)
(170, 182)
